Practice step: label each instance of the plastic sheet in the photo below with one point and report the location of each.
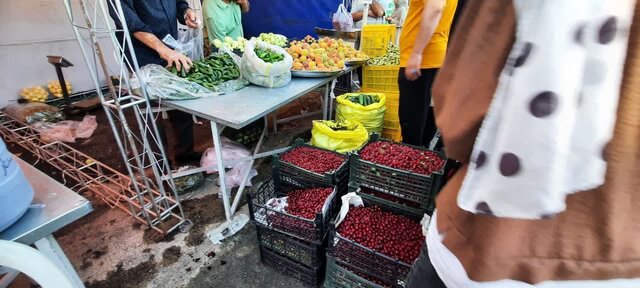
(262, 73)
(292, 18)
(67, 131)
(161, 84)
(230, 151)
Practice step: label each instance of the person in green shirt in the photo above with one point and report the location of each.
(224, 18)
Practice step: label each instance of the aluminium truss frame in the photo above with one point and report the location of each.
(154, 200)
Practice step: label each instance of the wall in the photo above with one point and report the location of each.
(30, 31)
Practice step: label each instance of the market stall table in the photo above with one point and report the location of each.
(54, 207)
(240, 108)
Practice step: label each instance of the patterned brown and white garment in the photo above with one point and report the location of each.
(553, 111)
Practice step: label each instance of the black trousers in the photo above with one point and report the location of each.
(182, 126)
(422, 274)
(416, 116)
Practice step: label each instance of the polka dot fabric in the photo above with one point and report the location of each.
(553, 111)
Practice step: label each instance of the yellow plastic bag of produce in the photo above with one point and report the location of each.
(339, 136)
(357, 107)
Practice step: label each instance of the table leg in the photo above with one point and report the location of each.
(221, 172)
(245, 177)
(9, 276)
(49, 247)
(325, 103)
(275, 122)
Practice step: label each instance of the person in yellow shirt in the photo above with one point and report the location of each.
(423, 45)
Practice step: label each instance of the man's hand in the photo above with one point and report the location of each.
(191, 19)
(412, 71)
(176, 59)
(244, 5)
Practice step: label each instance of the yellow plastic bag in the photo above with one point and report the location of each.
(351, 138)
(371, 116)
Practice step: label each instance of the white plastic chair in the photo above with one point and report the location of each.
(34, 264)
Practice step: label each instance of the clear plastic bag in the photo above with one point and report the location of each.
(232, 85)
(161, 84)
(190, 42)
(230, 151)
(342, 19)
(262, 73)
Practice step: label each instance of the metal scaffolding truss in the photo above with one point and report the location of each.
(113, 187)
(139, 143)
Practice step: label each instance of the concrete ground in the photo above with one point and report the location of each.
(108, 248)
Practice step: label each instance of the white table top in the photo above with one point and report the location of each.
(244, 106)
(54, 206)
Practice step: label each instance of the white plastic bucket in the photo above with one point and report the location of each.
(16, 193)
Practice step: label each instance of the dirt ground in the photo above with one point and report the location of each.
(108, 248)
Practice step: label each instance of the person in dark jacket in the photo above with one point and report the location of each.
(149, 22)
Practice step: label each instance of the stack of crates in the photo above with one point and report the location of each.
(401, 192)
(382, 79)
(293, 245)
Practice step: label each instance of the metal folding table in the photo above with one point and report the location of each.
(237, 110)
(54, 206)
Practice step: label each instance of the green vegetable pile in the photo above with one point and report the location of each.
(364, 99)
(211, 71)
(268, 56)
(391, 58)
(273, 39)
(338, 125)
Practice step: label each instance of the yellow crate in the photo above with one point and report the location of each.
(391, 117)
(376, 37)
(380, 78)
(391, 134)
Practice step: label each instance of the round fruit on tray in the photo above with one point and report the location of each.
(314, 73)
(355, 61)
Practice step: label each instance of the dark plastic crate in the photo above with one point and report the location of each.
(248, 135)
(383, 198)
(311, 276)
(306, 253)
(305, 229)
(340, 275)
(392, 272)
(339, 177)
(409, 186)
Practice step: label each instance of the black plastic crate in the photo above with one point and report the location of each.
(248, 135)
(392, 272)
(341, 275)
(305, 229)
(311, 276)
(409, 186)
(339, 177)
(306, 253)
(387, 199)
